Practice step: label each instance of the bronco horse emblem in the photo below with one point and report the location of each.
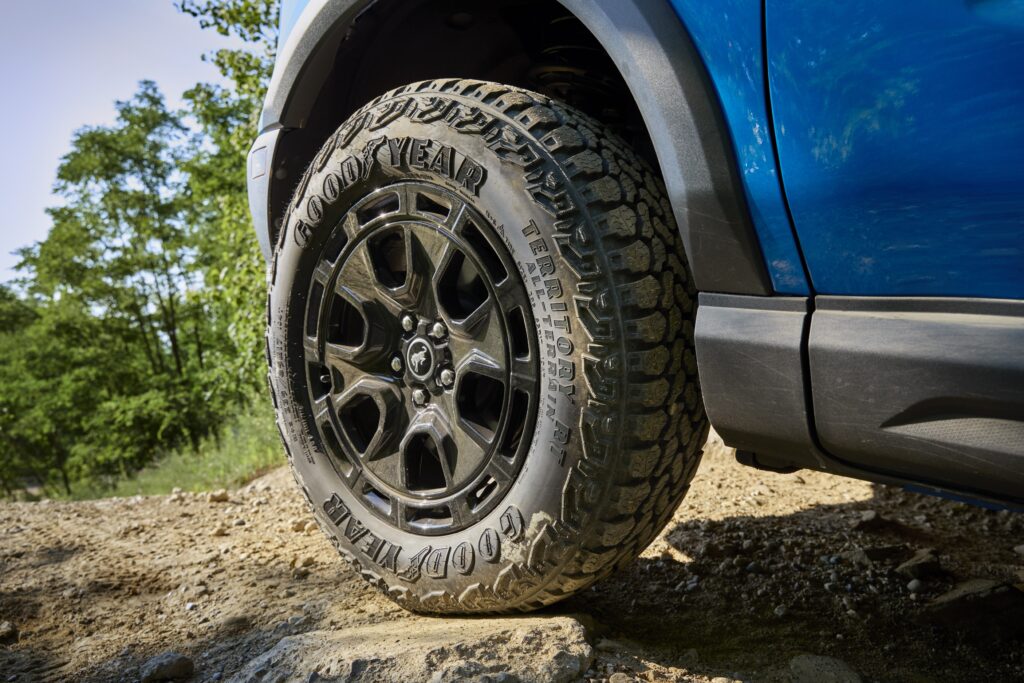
(419, 359)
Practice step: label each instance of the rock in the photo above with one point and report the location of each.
(1019, 549)
(170, 666)
(8, 633)
(867, 557)
(984, 608)
(218, 496)
(816, 669)
(220, 531)
(436, 650)
(870, 520)
(238, 622)
(922, 565)
(239, 522)
(298, 525)
(620, 677)
(915, 586)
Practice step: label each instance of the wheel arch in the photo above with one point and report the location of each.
(342, 53)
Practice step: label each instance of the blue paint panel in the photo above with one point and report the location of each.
(900, 130)
(727, 33)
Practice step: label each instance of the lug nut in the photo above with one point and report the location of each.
(408, 323)
(447, 377)
(438, 331)
(419, 397)
(396, 364)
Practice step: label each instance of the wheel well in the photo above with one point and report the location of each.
(533, 44)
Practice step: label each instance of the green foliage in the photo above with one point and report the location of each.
(136, 329)
(248, 446)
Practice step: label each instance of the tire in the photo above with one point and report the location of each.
(556, 432)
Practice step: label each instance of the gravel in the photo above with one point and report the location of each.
(751, 586)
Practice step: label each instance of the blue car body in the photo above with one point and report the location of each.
(862, 305)
(894, 131)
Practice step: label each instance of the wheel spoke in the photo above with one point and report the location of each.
(360, 281)
(480, 363)
(369, 412)
(429, 250)
(471, 445)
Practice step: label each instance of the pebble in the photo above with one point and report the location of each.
(218, 496)
(923, 564)
(220, 531)
(239, 522)
(299, 524)
(915, 586)
(620, 677)
(8, 633)
(869, 520)
(170, 666)
(239, 622)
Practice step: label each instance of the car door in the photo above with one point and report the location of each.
(900, 134)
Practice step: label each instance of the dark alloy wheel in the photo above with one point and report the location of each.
(480, 338)
(422, 375)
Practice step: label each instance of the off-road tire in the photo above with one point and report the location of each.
(619, 422)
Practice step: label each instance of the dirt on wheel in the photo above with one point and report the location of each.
(758, 577)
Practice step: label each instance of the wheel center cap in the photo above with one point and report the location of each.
(419, 358)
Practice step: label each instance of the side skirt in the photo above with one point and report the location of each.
(925, 391)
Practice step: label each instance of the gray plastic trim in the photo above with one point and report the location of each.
(261, 160)
(749, 357)
(927, 389)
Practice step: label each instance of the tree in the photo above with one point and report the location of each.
(138, 324)
(233, 267)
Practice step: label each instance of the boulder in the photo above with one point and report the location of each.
(436, 650)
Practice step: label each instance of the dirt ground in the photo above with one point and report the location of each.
(754, 569)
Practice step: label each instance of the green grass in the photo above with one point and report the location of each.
(249, 446)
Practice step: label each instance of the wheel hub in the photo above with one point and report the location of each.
(420, 360)
(422, 371)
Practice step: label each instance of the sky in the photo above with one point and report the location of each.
(63, 63)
